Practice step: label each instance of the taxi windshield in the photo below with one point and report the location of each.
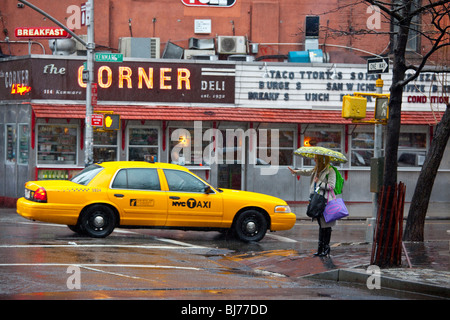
(85, 176)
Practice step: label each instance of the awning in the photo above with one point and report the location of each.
(187, 113)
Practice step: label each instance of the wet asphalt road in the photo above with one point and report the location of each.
(48, 261)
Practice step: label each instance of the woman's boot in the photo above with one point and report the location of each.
(320, 243)
(326, 242)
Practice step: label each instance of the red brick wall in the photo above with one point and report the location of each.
(262, 21)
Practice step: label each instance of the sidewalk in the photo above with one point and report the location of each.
(429, 272)
(430, 261)
(349, 260)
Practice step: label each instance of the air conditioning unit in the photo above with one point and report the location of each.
(172, 51)
(189, 53)
(201, 44)
(241, 57)
(140, 47)
(231, 45)
(214, 57)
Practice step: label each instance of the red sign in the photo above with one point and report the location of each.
(97, 120)
(94, 94)
(209, 3)
(50, 33)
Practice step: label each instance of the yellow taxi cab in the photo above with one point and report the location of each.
(158, 195)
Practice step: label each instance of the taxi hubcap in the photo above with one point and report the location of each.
(251, 227)
(99, 221)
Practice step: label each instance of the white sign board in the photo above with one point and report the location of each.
(315, 86)
(202, 26)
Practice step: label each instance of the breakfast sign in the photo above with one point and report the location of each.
(150, 82)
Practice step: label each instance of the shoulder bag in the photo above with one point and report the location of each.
(335, 209)
(317, 203)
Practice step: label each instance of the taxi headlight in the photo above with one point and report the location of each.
(282, 209)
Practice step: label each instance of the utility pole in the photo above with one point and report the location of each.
(90, 47)
(89, 133)
(378, 138)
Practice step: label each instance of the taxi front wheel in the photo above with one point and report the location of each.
(251, 225)
(98, 221)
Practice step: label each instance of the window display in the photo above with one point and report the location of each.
(11, 143)
(17, 143)
(285, 146)
(412, 148)
(363, 144)
(143, 143)
(321, 138)
(57, 144)
(105, 146)
(24, 142)
(182, 150)
(57, 174)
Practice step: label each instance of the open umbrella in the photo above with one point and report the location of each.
(310, 152)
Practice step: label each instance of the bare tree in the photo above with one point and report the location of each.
(429, 20)
(414, 230)
(402, 13)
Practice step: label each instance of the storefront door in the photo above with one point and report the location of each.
(230, 176)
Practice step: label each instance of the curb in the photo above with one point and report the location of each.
(360, 276)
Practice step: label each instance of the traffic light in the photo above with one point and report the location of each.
(381, 108)
(354, 107)
(111, 122)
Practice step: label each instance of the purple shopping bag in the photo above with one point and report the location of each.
(335, 209)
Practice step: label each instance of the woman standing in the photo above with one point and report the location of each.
(324, 177)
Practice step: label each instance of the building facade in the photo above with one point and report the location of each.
(234, 123)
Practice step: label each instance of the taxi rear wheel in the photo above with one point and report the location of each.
(98, 221)
(251, 225)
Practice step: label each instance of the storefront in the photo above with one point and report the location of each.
(234, 124)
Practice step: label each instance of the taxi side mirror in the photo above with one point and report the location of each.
(208, 190)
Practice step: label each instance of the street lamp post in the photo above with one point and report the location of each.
(90, 46)
(377, 154)
(89, 133)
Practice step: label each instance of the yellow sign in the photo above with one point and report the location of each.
(111, 122)
(354, 107)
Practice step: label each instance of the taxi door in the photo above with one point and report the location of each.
(137, 193)
(191, 202)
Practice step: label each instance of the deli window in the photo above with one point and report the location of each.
(23, 144)
(17, 143)
(11, 143)
(57, 144)
(143, 143)
(322, 137)
(412, 148)
(182, 150)
(105, 146)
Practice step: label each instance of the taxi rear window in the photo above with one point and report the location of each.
(85, 176)
(137, 179)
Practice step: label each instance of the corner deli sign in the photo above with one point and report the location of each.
(150, 82)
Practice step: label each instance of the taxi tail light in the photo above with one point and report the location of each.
(40, 195)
